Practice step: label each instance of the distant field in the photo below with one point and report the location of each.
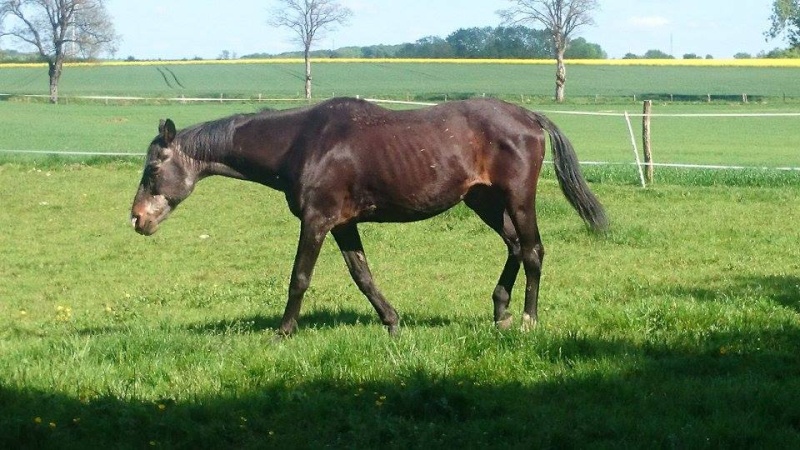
(412, 80)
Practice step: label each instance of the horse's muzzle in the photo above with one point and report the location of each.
(143, 226)
(148, 213)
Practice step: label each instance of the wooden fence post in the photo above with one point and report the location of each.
(648, 152)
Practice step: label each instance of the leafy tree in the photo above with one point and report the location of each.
(521, 42)
(379, 51)
(308, 18)
(657, 54)
(58, 29)
(793, 52)
(785, 19)
(561, 18)
(581, 49)
(427, 47)
(501, 42)
(470, 42)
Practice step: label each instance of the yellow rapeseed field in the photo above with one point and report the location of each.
(754, 62)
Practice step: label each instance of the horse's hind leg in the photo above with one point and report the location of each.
(523, 216)
(349, 242)
(490, 207)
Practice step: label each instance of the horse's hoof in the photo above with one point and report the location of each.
(279, 337)
(528, 323)
(505, 322)
(394, 330)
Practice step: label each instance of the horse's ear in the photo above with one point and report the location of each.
(167, 131)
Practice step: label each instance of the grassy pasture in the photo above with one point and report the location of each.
(679, 329)
(425, 80)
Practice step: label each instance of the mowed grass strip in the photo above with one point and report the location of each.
(678, 329)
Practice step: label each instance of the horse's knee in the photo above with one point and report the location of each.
(299, 285)
(534, 256)
(515, 250)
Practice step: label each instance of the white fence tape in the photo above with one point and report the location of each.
(624, 115)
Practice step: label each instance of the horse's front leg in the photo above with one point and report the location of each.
(312, 236)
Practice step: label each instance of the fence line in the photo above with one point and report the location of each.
(585, 163)
(219, 99)
(70, 153)
(396, 102)
(626, 115)
(610, 114)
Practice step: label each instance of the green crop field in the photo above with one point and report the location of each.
(429, 81)
(678, 329)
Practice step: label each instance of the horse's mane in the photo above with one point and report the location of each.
(214, 139)
(211, 140)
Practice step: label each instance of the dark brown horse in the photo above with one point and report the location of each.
(346, 161)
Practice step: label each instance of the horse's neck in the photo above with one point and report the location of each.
(262, 151)
(202, 164)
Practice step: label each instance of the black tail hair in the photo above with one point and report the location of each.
(570, 178)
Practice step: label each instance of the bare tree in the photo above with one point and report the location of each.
(308, 18)
(561, 18)
(58, 29)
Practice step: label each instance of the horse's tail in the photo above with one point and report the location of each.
(570, 178)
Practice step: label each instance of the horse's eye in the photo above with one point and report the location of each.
(165, 154)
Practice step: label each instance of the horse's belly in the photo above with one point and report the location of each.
(416, 203)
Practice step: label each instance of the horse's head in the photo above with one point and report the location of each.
(166, 181)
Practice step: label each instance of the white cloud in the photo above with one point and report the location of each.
(649, 22)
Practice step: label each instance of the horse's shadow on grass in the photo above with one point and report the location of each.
(317, 319)
(671, 397)
(780, 289)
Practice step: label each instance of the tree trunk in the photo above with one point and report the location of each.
(54, 71)
(307, 56)
(561, 76)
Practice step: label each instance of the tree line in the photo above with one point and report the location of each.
(512, 42)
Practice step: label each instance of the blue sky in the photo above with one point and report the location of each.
(188, 28)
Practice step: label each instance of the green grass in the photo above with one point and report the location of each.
(755, 142)
(423, 81)
(678, 329)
